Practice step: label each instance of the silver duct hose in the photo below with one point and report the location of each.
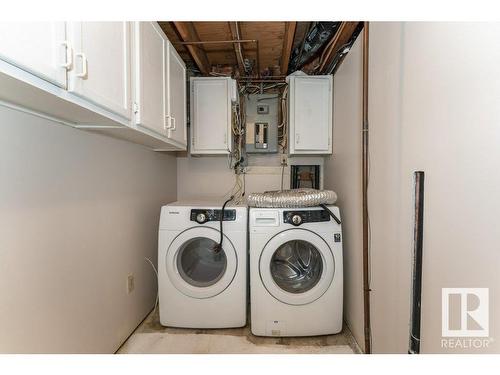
(291, 198)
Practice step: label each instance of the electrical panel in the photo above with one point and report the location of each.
(261, 123)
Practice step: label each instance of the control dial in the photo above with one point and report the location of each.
(296, 219)
(201, 218)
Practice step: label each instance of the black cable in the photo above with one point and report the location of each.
(324, 207)
(282, 172)
(244, 185)
(218, 247)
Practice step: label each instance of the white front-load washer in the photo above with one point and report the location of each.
(199, 285)
(296, 276)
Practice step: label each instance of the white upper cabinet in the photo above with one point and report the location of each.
(160, 85)
(124, 79)
(150, 77)
(176, 97)
(39, 48)
(211, 115)
(101, 67)
(310, 114)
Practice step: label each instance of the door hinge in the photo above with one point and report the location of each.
(297, 138)
(135, 107)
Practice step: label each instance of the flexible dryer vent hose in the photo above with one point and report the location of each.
(291, 198)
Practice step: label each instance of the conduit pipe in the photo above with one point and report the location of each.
(365, 166)
(238, 46)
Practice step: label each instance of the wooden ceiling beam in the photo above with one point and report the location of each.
(288, 38)
(238, 48)
(341, 37)
(187, 33)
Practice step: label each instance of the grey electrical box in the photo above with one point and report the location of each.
(261, 111)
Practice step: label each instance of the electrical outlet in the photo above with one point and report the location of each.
(130, 283)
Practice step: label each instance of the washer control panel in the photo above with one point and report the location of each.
(300, 217)
(201, 216)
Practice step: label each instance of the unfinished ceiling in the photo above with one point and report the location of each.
(258, 49)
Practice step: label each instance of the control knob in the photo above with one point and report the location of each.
(296, 219)
(201, 218)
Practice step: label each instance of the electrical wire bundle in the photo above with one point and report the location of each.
(282, 138)
(251, 88)
(236, 158)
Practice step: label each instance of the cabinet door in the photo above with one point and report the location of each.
(311, 115)
(211, 115)
(150, 76)
(38, 47)
(176, 103)
(101, 70)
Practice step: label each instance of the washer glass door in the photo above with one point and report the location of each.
(198, 263)
(195, 267)
(297, 266)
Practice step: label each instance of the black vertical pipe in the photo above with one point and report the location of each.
(418, 235)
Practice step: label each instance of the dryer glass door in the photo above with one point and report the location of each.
(195, 268)
(297, 266)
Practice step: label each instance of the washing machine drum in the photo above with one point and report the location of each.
(195, 268)
(297, 266)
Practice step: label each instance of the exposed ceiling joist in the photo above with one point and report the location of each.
(187, 32)
(287, 45)
(340, 39)
(238, 49)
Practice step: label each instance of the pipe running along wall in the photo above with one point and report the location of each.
(365, 166)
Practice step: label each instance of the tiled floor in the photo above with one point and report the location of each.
(151, 337)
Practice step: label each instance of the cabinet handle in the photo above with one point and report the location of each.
(69, 55)
(173, 122)
(83, 73)
(166, 124)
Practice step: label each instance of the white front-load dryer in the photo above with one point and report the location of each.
(199, 286)
(296, 276)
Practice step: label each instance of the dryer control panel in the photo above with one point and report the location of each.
(203, 215)
(300, 217)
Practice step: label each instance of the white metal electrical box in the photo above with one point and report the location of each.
(211, 105)
(310, 103)
(261, 114)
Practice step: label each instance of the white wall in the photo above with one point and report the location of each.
(390, 263)
(343, 175)
(78, 213)
(434, 106)
(210, 177)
